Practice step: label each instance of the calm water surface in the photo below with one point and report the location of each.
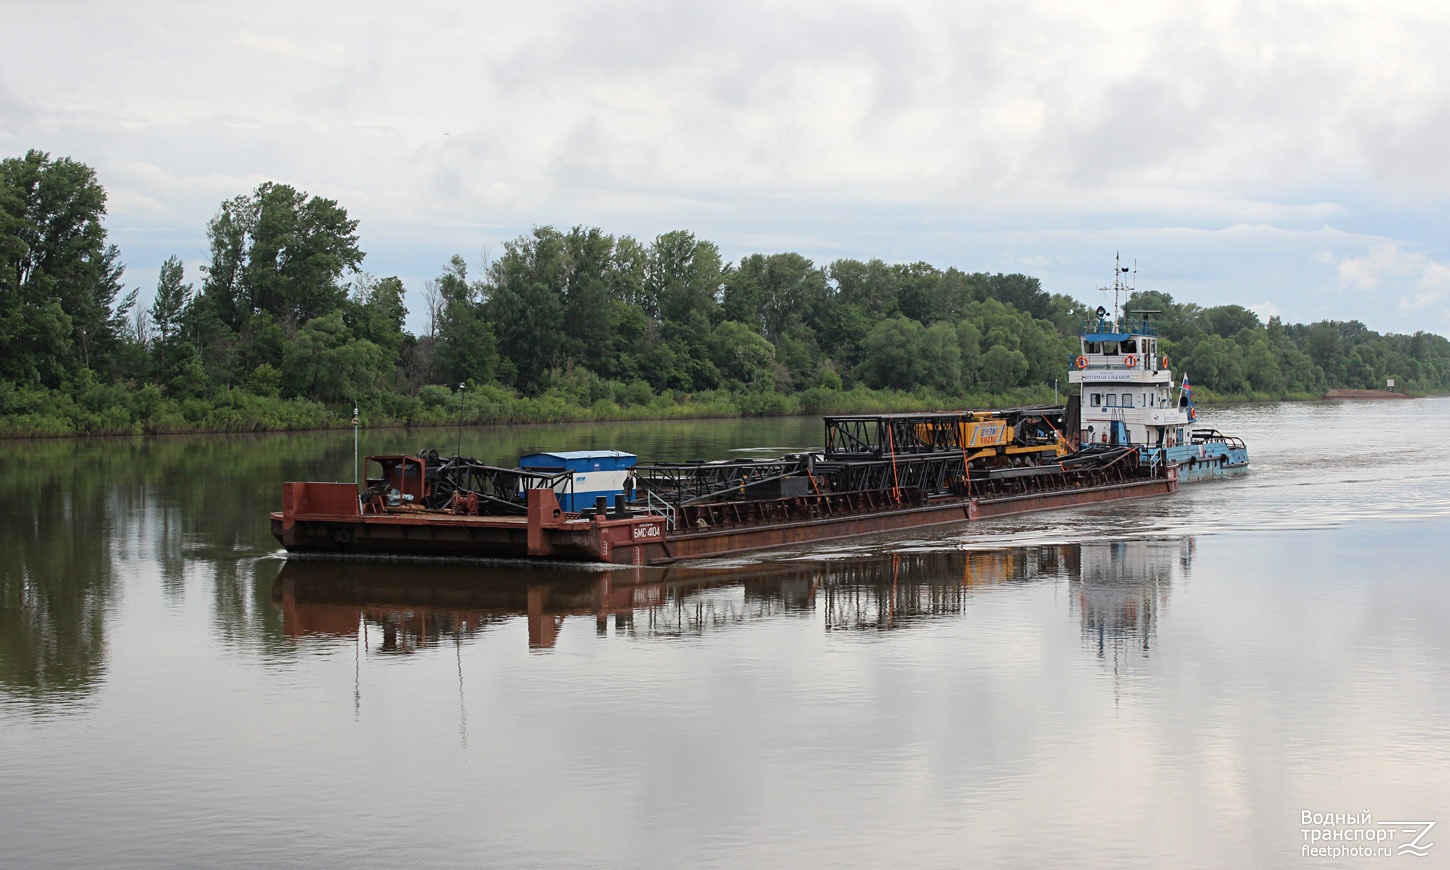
(1171, 682)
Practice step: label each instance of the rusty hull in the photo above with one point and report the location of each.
(326, 518)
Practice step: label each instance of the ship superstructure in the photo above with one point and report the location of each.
(1128, 397)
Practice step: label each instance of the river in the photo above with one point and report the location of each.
(1195, 680)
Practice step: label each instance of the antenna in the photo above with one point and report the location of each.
(460, 420)
(1118, 270)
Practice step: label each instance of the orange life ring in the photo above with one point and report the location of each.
(1165, 360)
(1082, 362)
(1130, 361)
(1193, 413)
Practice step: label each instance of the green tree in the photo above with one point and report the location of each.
(775, 295)
(1299, 372)
(941, 365)
(173, 294)
(628, 265)
(891, 354)
(279, 251)
(1003, 368)
(969, 350)
(587, 317)
(1023, 293)
(630, 332)
(1228, 320)
(1362, 369)
(526, 305)
(212, 347)
(688, 356)
(467, 348)
(376, 312)
(841, 327)
(1216, 363)
(919, 292)
(872, 286)
(59, 277)
(682, 276)
(1261, 365)
(740, 353)
(327, 363)
(1326, 348)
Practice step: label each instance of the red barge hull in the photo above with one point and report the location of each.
(327, 518)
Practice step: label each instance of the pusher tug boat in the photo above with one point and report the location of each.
(1128, 398)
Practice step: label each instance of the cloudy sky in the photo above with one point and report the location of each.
(1287, 156)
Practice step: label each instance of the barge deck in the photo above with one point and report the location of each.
(899, 472)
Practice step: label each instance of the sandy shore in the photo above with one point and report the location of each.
(1363, 394)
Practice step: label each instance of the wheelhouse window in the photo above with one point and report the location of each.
(1095, 399)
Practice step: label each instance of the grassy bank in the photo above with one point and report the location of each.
(96, 409)
(113, 410)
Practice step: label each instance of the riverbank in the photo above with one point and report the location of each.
(1364, 394)
(108, 410)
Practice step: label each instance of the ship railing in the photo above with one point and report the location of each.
(660, 507)
(1209, 436)
(1114, 361)
(1124, 326)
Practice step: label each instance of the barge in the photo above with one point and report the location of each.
(877, 473)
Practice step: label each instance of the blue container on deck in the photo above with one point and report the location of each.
(596, 473)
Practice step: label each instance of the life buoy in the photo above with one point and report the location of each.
(1082, 362)
(1130, 361)
(1165, 360)
(1193, 413)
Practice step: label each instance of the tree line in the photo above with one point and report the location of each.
(282, 328)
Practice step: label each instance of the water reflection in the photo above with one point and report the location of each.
(1119, 588)
(57, 581)
(80, 516)
(411, 607)
(905, 589)
(86, 521)
(85, 518)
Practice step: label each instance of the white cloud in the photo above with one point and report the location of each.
(1265, 310)
(1230, 141)
(1367, 272)
(1385, 265)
